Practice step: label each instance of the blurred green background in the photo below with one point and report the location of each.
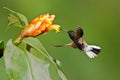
(100, 20)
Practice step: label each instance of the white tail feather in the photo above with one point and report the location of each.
(92, 50)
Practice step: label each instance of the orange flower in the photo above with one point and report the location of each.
(39, 25)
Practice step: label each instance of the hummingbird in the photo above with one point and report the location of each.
(80, 43)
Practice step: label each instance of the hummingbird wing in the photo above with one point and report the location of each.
(73, 37)
(79, 32)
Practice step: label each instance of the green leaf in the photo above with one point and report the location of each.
(45, 67)
(16, 18)
(16, 64)
(34, 64)
(1, 44)
(13, 21)
(35, 43)
(3, 75)
(58, 63)
(1, 48)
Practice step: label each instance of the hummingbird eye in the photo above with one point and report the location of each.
(71, 31)
(71, 34)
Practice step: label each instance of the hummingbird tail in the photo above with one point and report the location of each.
(92, 50)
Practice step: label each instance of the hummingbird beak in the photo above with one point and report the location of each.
(63, 30)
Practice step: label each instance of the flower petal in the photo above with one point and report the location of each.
(54, 27)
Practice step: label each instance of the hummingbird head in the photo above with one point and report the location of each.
(72, 34)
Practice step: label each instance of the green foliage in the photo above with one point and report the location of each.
(1, 44)
(13, 21)
(3, 75)
(16, 19)
(1, 48)
(28, 60)
(32, 64)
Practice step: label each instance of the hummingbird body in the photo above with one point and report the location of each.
(79, 42)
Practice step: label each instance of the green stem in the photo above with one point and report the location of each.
(18, 40)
